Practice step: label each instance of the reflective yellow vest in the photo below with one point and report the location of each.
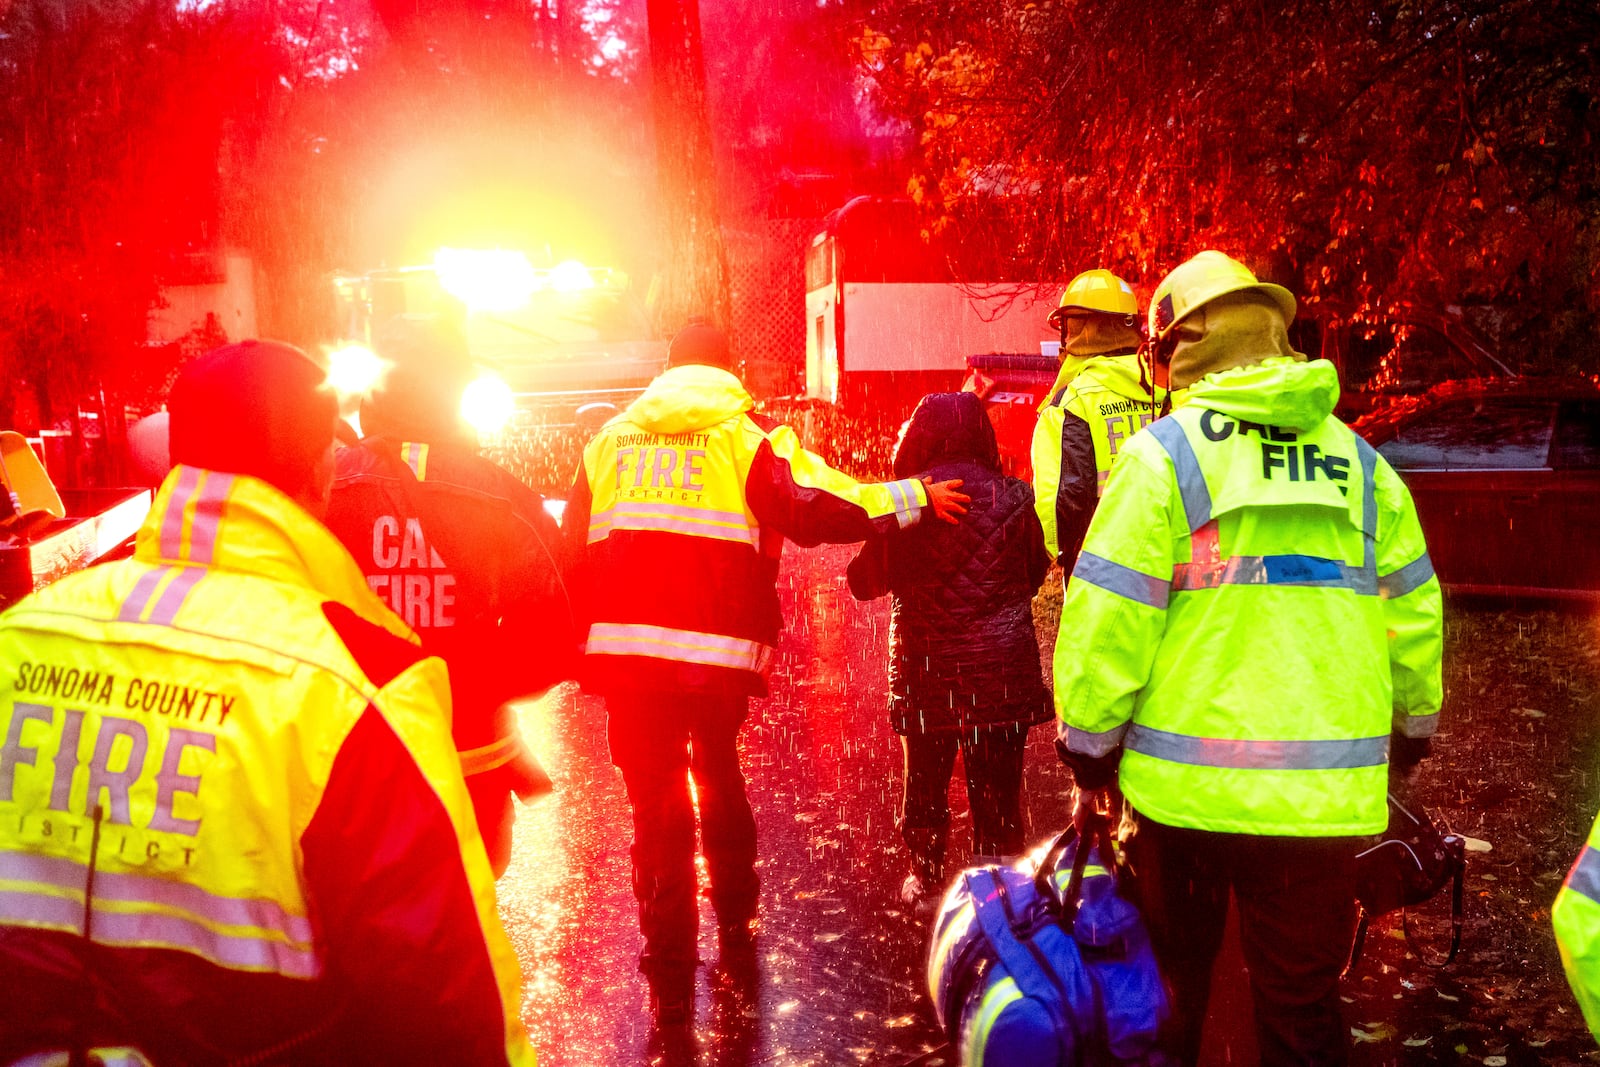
(682, 506)
(1253, 611)
(173, 720)
(1109, 400)
(1576, 918)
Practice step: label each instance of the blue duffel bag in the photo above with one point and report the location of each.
(1045, 964)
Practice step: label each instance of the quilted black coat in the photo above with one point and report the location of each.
(962, 646)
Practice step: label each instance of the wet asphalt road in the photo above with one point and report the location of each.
(839, 968)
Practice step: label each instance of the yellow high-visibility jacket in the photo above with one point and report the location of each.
(1080, 431)
(1253, 611)
(1576, 918)
(675, 526)
(227, 765)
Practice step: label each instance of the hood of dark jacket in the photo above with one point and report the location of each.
(946, 428)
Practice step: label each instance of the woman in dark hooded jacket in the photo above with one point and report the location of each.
(964, 659)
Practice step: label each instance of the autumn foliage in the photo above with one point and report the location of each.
(1436, 151)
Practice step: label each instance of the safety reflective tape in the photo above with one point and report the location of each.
(1093, 744)
(1584, 877)
(193, 515)
(63, 875)
(687, 646)
(1123, 581)
(1271, 570)
(904, 495)
(172, 517)
(137, 607)
(674, 518)
(1090, 870)
(177, 591)
(1407, 579)
(147, 929)
(486, 758)
(415, 453)
(1191, 480)
(1369, 505)
(1416, 725)
(132, 609)
(1369, 491)
(996, 999)
(1325, 755)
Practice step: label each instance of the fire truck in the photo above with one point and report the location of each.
(888, 320)
(549, 341)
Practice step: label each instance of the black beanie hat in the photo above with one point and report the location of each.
(700, 342)
(256, 407)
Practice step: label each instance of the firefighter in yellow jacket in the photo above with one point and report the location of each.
(676, 521)
(1576, 916)
(233, 826)
(1101, 397)
(1255, 629)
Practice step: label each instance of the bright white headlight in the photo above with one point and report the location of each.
(487, 404)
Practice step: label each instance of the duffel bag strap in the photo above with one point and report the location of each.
(1097, 828)
(1035, 977)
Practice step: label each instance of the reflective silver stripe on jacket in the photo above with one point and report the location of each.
(1124, 581)
(1270, 570)
(1584, 877)
(1191, 480)
(687, 646)
(1258, 755)
(1092, 744)
(1415, 725)
(1407, 579)
(1314, 571)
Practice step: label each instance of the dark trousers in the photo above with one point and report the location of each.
(1296, 900)
(658, 740)
(992, 757)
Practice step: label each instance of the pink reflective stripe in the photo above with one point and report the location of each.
(157, 930)
(415, 453)
(172, 519)
(164, 892)
(177, 591)
(688, 646)
(143, 590)
(208, 517)
(203, 521)
(237, 951)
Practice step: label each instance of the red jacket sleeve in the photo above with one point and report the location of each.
(395, 906)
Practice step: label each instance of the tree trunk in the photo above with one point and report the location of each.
(695, 282)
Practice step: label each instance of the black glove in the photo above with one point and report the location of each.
(1092, 773)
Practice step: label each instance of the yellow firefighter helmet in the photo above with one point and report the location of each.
(1096, 292)
(1202, 279)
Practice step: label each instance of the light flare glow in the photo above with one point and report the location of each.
(486, 279)
(487, 404)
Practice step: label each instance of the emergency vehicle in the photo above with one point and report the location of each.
(887, 318)
(550, 340)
